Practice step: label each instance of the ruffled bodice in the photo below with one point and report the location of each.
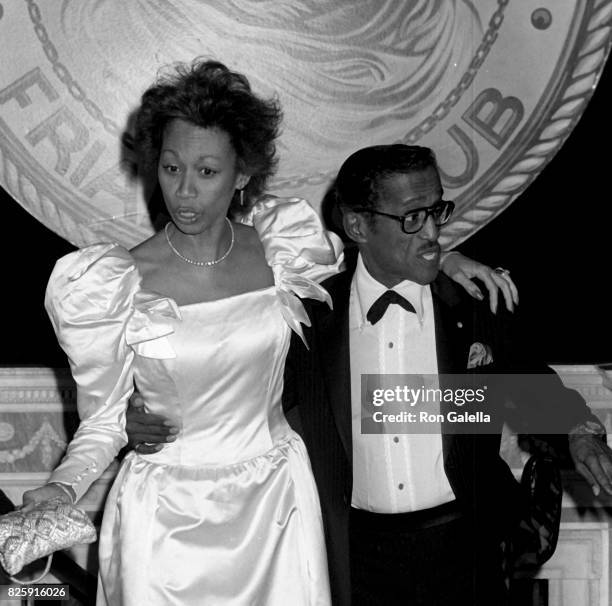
(214, 367)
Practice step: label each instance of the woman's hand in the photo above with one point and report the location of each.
(462, 270)
(46, 493)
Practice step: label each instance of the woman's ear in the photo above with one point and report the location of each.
(242, 181)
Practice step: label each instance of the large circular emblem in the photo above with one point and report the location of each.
(494, 87)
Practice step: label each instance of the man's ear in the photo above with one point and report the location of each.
(355, 225)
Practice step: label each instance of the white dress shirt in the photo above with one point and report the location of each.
(403, 472)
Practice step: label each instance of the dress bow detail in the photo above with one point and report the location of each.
(152, 319)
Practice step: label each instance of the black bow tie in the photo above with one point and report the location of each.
(379, 307)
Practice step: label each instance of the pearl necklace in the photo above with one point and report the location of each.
(201, 263)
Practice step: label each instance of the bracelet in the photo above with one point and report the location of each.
(66, 489)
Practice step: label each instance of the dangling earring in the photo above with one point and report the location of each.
(242, 197)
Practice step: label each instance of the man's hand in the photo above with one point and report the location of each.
(147, 433)
(462, 270)
(593, 460)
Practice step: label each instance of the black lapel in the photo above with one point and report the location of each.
(333, 343)
(453, 332)
(453, 327)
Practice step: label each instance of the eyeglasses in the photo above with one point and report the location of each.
(413, 221)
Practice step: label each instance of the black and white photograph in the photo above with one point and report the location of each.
(306, 302)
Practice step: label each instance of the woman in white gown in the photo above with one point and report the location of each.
(200, 317)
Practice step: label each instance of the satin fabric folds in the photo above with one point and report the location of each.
(228, 513)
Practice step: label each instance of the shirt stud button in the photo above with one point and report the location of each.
(401, 486)
(390, 345)
(396, 439)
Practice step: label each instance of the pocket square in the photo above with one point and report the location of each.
(480, 355)
(48, 526)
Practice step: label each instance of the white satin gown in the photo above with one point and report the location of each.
(229, 512)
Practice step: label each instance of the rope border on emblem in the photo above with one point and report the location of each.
(565, 113)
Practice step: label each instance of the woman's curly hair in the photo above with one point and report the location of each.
(209, 95)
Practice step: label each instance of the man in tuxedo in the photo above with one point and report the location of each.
(413, 518)
(424, 515)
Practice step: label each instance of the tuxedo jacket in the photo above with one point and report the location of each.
(318, 384)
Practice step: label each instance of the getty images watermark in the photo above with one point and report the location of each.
(459, 403)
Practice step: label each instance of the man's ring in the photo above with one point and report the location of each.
(501, 271)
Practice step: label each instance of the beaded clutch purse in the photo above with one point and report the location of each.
(48, 526)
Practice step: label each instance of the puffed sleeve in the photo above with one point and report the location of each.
(294, 238)
(300, 251)
(89, 299)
